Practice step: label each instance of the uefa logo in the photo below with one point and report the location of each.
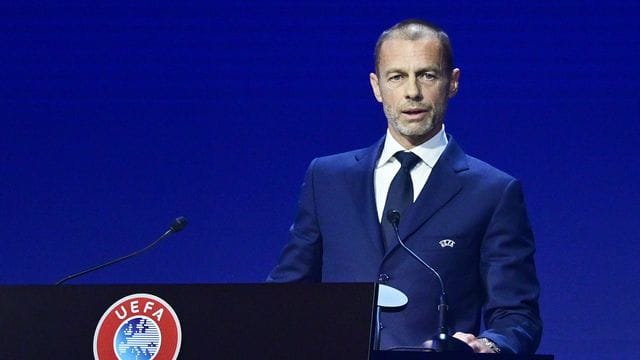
(138, 326)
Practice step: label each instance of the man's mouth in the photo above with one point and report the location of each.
(414, 114)
(414, 111)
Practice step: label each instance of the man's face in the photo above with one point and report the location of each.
(413, 87)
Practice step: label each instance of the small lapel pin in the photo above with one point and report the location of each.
(447, 243)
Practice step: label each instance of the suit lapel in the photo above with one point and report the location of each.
(442, 186)
(364, 193)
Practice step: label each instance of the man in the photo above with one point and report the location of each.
(463, 217)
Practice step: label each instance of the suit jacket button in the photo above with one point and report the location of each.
(383, 278)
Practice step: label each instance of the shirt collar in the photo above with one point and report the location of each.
(429, 151)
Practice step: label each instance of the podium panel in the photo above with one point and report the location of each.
(217, 321)
(212, 321)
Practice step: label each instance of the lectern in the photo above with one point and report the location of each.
(205, 321)
(221, 321)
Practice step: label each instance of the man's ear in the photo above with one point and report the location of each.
(454, 82)
(375, 86)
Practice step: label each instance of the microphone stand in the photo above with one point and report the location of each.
(177, 225)
(443, 342)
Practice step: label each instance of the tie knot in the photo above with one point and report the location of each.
(407, 159)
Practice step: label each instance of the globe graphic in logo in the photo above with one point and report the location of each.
(138, 338)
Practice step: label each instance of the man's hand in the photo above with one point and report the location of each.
(476, 344)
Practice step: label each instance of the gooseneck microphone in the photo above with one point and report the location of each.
(179, 224)
(443, 342)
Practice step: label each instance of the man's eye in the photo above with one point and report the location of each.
(428, 76)
(395, 78)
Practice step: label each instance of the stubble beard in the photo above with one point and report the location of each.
(414, 129)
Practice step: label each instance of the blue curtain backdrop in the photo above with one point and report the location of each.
(118, 117)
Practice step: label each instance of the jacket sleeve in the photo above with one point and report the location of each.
(511, 312)
(301, 258)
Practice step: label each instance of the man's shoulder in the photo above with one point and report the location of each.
(486, 178)
(484, 168)
(468, 165)
(343, 156)
(347, 158)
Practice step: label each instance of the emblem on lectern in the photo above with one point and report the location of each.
(138, 326)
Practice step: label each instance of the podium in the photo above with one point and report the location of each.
(205, 321)
(262, 321)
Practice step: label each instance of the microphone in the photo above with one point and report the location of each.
(443, 341)
(178, 225)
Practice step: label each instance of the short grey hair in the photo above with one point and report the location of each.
(415, 29)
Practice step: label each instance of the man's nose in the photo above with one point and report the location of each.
(412, 90)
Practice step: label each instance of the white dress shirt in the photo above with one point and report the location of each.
(429, 152)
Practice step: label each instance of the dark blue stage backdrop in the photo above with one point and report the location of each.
(118, 117)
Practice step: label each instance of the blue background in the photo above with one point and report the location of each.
(117, 117)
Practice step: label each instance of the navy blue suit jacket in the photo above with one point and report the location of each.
(489, 271)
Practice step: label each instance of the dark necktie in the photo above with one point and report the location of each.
(400, 194)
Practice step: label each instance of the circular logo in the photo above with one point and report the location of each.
(138, 326)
